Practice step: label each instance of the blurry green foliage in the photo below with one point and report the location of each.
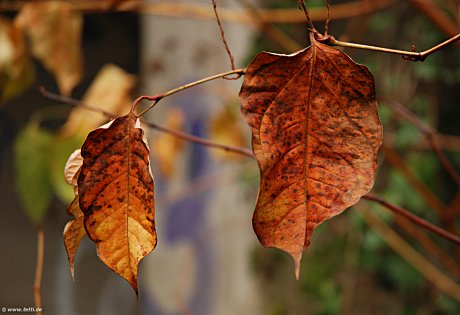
(32, 154)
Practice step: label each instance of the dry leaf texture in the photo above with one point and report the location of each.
(115, 188)
(315, 134)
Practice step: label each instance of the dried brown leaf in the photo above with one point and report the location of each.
(115, 188)
(55, 32)
(315, 134)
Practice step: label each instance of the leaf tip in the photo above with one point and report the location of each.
(297, 259)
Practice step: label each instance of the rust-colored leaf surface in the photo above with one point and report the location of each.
(315, 134)
(115, 187)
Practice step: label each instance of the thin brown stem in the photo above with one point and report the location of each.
(408, 55)
(175, 133)
(419, 221)
(39, 269)
(328, 19)
(202, 141)
(156, 98)
(303, 7)
(406, 251)
(224, 40)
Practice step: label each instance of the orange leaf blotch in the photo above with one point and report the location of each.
(315, 134)
(115, 186)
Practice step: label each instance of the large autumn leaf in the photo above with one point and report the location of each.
(115, 190)
(315, 134)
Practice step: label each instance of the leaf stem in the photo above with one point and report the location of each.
(39, 269)
(412, 217)
(156, 98)
(408, 55)
(224, 40)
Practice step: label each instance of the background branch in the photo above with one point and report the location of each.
(39, 269)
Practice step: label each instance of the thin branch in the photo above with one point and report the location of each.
(176, 133)
(328, 19)
(419, 221)
(408, 55)
(156, 98)
(406, 251)
(224, 41)
(39, 269)
(202, 141)
(303, 7)
(431, 137)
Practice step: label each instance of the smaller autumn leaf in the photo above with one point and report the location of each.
(115, 189)
(227, 128)
(74, 231)
(55, 33)
(32, 152)
(315, 134)
(16, 69)
(167, 148)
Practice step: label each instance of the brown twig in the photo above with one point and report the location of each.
(303, 7)
(419, 221)
(157, 97)
(176, 133)
(406, 251)
(430, 135)
(408, 55)
(429, 245)
(328, 18)
(224, 40)
(39, 269)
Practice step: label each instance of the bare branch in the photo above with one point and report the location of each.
(39, 269)
(175, 133)
(157, 97)
(408, 55)
(419, 221)
(224, 41)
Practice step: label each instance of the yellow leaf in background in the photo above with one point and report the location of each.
(16, 70)
(227, 128)
(110, 91)
(55, 33)
(166, 148)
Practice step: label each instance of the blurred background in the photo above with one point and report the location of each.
(208, 260)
